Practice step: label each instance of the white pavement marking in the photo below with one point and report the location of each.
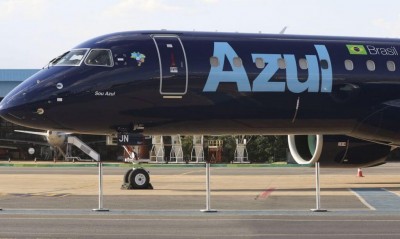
(362, 200)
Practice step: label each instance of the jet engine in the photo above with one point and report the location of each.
(336, 151)
(56, 138)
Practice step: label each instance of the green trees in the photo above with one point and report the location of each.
(261, 149)
(267, 149)
(187, 144)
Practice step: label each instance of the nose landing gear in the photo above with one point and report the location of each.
(136, 178)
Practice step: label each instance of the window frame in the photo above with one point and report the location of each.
(371, 66)
(237, 62)
(82, 60)
(324, 64)
(214, 61)
(392, 63)
(282, 63)
(260, 63)
(303, 66)
(100, 49)
(351, 68)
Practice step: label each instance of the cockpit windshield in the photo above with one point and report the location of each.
(99, 57)
(71, 58)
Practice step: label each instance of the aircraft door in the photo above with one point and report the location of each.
(173, 66)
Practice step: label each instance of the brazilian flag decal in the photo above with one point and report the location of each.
(357, 50)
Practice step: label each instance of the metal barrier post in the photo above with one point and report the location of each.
(100, 209)
(208, 196)
(317, 191)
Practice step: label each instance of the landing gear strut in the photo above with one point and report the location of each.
(137, 178)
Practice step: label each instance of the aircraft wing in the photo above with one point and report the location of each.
(32, 132)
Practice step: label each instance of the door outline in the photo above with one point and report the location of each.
(180, 94)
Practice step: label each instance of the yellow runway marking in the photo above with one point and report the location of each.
(194, 171)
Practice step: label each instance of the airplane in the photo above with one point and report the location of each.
(337, 98)
(56, 140)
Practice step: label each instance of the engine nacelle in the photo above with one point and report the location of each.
(56, 138)
(336, 151)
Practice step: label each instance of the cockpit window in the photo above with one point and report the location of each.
(99, 57)
(71, 58)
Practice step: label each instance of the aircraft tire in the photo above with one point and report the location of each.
(139, 179)
(126, 176)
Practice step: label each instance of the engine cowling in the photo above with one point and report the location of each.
(336, 151)
(56, 138)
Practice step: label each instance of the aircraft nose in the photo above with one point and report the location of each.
(28, 104)
(22, 111)
(19, 114)
(3, 109)
(12, 110)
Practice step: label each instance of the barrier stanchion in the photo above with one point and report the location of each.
(208, 193)
(317, 191)
(100, 209)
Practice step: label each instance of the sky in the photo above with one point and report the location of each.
(32, 32)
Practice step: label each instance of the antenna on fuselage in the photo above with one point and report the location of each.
(283, 30)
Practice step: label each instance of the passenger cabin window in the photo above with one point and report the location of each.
(282, 63)
(303, 64)
(324, 64)
(214, 62)
(348, 64)
(260, 63)
(237, 61)
(71, 58)
(391, 66)
(371, 65)
(99, 57)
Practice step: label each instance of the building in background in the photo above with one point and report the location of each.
(10, 78)
(13, 145)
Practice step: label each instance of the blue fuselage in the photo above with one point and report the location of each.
(218, 83)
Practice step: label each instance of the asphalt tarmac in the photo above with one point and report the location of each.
(252, 202)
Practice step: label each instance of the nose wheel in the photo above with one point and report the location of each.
(137, 178)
